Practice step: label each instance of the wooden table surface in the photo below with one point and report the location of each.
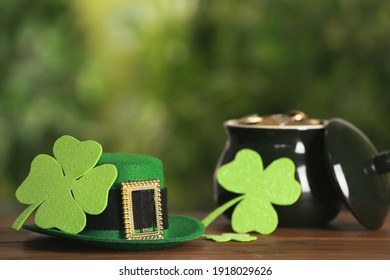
(344, 238)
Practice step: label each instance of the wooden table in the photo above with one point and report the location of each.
(344, 238)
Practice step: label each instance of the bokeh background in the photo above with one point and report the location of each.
(159, 77)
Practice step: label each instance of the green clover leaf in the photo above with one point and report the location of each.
(259, 188)
(225, 237)
(66, 187)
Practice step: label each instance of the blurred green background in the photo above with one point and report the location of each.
(160, 77)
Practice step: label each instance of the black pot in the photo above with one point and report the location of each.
(321, 198)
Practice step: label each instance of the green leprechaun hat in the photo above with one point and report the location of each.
(111, 200)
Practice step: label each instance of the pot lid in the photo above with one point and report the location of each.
(359, 172)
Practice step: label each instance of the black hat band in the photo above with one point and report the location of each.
(143, 211)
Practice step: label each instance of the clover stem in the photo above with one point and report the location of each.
(217, 212)
(23, 217)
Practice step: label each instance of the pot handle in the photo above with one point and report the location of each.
(382, 162)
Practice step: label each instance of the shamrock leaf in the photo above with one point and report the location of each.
(66, 187)
(259, 189)
(225, 237)
(76, 158)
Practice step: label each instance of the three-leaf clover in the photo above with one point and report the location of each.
(259, 188)
(65, 187)
(225, 237)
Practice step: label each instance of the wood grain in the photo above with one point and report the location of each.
(344, 238)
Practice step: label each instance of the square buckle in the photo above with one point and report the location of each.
(128, 218)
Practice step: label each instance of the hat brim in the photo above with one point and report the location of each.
(181, 229)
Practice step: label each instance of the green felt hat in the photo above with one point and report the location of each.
(135, 216)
